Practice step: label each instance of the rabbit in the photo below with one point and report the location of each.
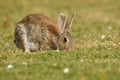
(37, 32)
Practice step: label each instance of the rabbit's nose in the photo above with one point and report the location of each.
(69, 50)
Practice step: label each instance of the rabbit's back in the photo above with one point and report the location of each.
(40, 20)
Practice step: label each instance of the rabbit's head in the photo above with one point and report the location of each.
(65, 40)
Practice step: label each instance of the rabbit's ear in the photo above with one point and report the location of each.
(69, 23)
(61, 22)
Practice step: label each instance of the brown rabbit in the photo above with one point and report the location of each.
(38, 32)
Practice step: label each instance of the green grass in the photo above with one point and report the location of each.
(94, 58)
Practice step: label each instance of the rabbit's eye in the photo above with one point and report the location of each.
(65, 39)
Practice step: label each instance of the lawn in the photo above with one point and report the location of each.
(96, 29)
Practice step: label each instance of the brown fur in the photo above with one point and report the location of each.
(41, 20)
(38, 32)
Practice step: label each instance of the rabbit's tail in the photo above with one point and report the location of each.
(21, 33)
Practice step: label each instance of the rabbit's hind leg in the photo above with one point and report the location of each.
(23, 36)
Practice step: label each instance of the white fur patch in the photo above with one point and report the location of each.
(31, 46)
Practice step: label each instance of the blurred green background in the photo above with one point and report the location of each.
(96, 29)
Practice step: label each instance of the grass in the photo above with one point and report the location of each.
(94, 58)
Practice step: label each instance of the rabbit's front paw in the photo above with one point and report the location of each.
(57, 50)
(27, 51)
